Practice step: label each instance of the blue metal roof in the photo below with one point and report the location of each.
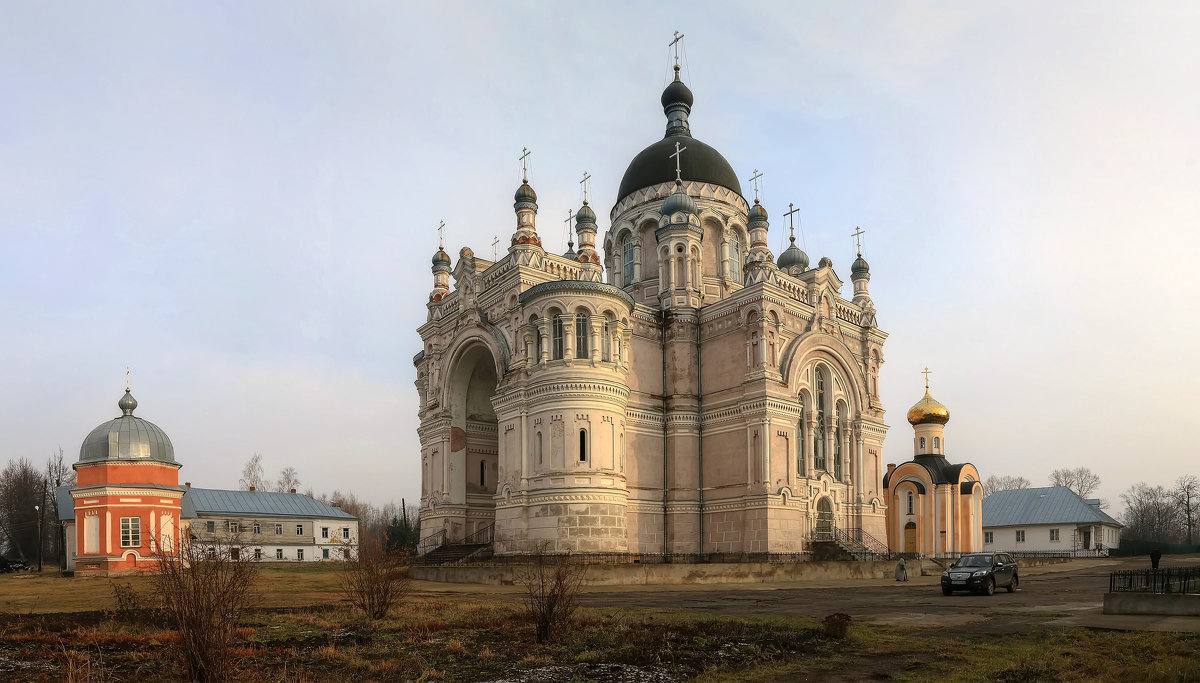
(1049, 505)
(260, 504)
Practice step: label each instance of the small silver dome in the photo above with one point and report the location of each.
(127, 438)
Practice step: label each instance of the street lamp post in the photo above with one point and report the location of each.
(41, 527)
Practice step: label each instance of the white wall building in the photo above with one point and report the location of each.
(1052, 519)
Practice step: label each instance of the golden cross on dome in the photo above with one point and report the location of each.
(857, 235)
(524, 164)
(676, 156)
(441, 235)
(675, 44)
(586, 177)
(926, 373)
(754, 179)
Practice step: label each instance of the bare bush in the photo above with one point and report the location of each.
(205, 589)
(836, 625)
(551, 586)
(375, 578)
(130, 607)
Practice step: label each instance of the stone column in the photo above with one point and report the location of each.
(568, 323)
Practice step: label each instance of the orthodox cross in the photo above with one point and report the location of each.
(126, 378)
(754, 179)
(584, 183)
(676, 155)
(524, 164)
(570, 215)
(675, 44)
(926, 373)
(441, 235)
(857, 235)
(791, 223)
(495, 243)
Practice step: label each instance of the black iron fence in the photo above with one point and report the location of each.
(1171, 580)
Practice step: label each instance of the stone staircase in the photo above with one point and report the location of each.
(449, 554)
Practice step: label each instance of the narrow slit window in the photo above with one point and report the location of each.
(482, 473)
(583, 445)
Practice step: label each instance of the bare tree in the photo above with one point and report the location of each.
(551, 586)
(1187, 500)
(22, 498)
(1150, 514)
(205, 589)
(1081, 480)
(996, 483)
(288, 480)
(253, 476)
(58, 473)
(375, 578)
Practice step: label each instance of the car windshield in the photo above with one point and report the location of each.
(975, 561)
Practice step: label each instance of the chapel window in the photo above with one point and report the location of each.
(937, 445)
(819, 430)
(556, 337)
(537, 447)
(922, 444)
(537, 334)
(583, 324)
(131, 532)
(583, 445)
(627, 261)
(910, 502)
(800, 440)
(482, 473)
(606, 342)
(837, 446)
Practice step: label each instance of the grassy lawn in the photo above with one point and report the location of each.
(304, 632)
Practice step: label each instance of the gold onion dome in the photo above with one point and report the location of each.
(928, 411)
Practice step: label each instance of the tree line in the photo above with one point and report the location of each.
(29, 508)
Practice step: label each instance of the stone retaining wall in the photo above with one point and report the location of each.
(673, 574)
(1174, 605)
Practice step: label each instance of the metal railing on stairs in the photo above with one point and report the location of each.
(858, 543)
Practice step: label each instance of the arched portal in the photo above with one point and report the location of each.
(824, 519)
(474, 444)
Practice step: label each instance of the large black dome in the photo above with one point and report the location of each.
(700, 162)
(654, 165)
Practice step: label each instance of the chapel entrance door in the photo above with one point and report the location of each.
(474, 446)
(824, 520)
(910, 538)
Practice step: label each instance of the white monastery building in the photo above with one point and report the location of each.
(1053, 519)
(672, 387)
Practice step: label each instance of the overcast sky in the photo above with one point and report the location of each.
(240, 201)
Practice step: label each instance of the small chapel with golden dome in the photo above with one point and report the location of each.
(934, 507)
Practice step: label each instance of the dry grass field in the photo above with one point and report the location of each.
(69, 629)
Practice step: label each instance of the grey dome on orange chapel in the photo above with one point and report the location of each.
(127, 438)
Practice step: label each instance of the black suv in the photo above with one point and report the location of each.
(981, 573)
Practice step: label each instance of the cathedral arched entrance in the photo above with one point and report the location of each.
(474, 451)
(824, 519)
(910, 538)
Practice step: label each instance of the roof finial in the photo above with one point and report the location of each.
(586, 177)
(926, 373)
(677, 155)
(675, 43)
(754, 179)
(857, 235)
(570, 242)
(126, 378)
(792, 211)
(441, 235)
(495, 244)
(524, 164)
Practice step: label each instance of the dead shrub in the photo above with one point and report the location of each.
(375, 579)
(130, 608)
(205, 589)
(836, 625)
(551, 586)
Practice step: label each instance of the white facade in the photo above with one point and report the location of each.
(281, 539)
(1052, 538)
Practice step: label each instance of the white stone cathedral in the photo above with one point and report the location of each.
(683, 393)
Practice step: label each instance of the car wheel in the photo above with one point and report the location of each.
(1012, 586)
(946, 591)
(989, 588)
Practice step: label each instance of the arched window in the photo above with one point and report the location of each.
(606, 342)
(583, 445)
(583, 335)
(800, 440)
(937, 445)
(910, 502)
(819, 430)
(537, 333)
(837, 446)
(537, 447)
(627, 261)
(482, 473)
(922, 444)
(556, 337)
(733, 257)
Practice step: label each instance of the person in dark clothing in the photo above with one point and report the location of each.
(1155, 556)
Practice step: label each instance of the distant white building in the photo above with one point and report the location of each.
(1052, 520)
